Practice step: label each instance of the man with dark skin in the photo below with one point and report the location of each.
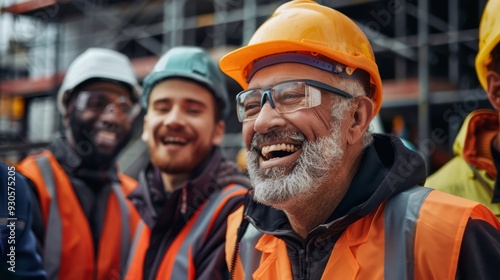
(82, 219)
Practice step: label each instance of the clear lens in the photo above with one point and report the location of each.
(286, 97)
(100, 102)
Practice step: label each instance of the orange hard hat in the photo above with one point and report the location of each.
(489, 37)
(304, 26)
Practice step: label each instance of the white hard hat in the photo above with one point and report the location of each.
(97, 63)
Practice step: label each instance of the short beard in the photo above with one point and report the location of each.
(85, 147)
(281, 184)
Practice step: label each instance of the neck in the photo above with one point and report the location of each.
(172, 182)
(307, 212)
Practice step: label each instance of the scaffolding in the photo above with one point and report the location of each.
(424, 49)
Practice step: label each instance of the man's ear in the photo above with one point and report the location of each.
(493, 82)
(218, 134)
(361, 116)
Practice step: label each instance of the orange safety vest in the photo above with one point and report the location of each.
(417, 234)
(178, 262)
(69, 248)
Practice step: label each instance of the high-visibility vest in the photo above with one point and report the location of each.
(178, 260)
(417, 234)
(69, 251)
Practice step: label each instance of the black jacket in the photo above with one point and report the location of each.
(167, 213)
(18, 256)
(387, 168)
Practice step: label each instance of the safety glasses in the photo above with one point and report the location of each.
(101, 102)
(285, 97)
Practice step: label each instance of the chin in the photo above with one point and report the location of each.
(168, 166)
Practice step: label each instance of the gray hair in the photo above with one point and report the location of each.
(355, 88)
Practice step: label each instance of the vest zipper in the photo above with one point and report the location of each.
(239, 235)
(302, 263)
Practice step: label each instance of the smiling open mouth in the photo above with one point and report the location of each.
(105, 137)
(170, 140)
(278, 150)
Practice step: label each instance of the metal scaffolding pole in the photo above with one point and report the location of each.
(249, 20)
(173, 23)
(425, 145)
(220, 27)
(400, 31)
(453, 65)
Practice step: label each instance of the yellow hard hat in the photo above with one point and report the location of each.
(489, 37)
(306, 27)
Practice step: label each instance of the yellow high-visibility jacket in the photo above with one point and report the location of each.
(471, 173)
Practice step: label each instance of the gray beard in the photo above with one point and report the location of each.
(281, 184)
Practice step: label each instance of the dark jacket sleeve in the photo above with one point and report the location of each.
(480, 252)
(27, 263)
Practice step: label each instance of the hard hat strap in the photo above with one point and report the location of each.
(325, 64)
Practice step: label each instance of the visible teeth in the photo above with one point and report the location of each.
(106, 137)
(171, 139)
(266, 150)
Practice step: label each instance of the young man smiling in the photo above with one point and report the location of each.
(81, 217)
(189, 189)
(330, 200)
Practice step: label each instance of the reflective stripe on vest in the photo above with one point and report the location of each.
(250, 258)
(400, 223)
(178, 260)
(135, 243)
(183, 268)
(54, 231)
(419, 242)
(125, 223)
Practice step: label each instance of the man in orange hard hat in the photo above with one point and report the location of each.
(472, 173)
(331, 200)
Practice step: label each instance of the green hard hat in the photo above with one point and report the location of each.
(190, 63)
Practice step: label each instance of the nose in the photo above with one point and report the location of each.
(268, 119)
(111, 116)
(175, 119)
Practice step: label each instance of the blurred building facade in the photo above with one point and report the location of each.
(425, 51)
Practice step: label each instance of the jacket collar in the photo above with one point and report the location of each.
(474, 140)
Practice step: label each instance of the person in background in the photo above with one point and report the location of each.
(473, 172)
(189, 189)
(241, 159)
(81, 218)
(330, 200)
(18, 255)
